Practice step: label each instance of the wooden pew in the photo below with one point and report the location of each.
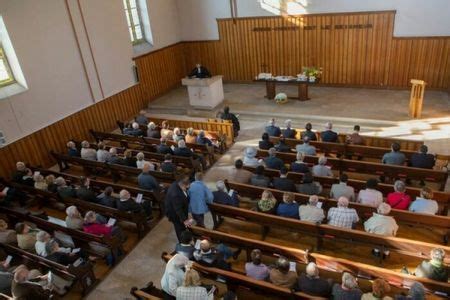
(157, 198)
(223, 128)
(149, 144)
(137, 218)
(442, 198)
(323, 232)
(365, 167)
(377, 141)
(344, 149)
(114, 170)
(112, 242)
(329, 266)
(235, 280)
(84, 273)
(440, 223)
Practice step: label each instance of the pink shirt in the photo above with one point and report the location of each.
(398, 200)
(97, 229)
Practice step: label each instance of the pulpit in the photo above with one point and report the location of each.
(204, 93)
(416, 99)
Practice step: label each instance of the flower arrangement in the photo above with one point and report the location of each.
(281, 98)
(312, 73)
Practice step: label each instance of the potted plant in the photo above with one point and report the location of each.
(313, 73)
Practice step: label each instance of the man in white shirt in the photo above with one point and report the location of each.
(310, 212)
(342, 189)
(370, 196)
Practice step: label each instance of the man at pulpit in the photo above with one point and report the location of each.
(199, 72)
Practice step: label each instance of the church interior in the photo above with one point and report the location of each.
(224, 149)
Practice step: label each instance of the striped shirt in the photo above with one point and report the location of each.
(342, 217)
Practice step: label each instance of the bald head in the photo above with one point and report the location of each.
(312, 270)
(343, 202)
(205, 245)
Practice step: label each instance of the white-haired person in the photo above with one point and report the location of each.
(74, 220)
(126, 203)
(348, 289)
(165, 130)
(39, 182)
(22, 174)
(202, 139)
(250, 157)
(135, 130)
(382, 224)
(42, 238)
(299, 166)
(152, 131)
(87, 152)
(72, 149)
(177, 136)
(310, 282)
(140, 161)
(399, 199)
(173, 276)
(272, 129)
(342, 216)
(329, 135)
(435, 268)
(321, 169)
(425, 203)
(221, 196)
(288, 132)
(114, 158)
(311, 212)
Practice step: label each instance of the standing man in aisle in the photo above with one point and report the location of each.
(177, 205)
(226, 115)
(200, 197)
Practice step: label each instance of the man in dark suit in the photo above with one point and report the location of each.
(114, 158)
(282, 146)
(273, 162)
(147, 181)
(288, 132)
(199, 72)
(106, 198)
(329, 135)
(422, 159)
(176, 205)
(309, 133)
(126, 203)
(283, 183)
(273, 130)
(84, 192)
(265, 143)
(163, 148)
(182, 150)
(230, 116)
(167, 165)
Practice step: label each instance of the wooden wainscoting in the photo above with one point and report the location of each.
(159, 72)
(367, 56)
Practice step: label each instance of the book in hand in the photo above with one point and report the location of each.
(111, 222)
(8, 260)
(139, 198)
(36, 173)
(230, 193)
(76, 250)
(292, 266)
(319, 204)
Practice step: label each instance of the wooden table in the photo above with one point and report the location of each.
(302, 88)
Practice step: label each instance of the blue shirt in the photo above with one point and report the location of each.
(203, 141)
(200, 196)
(394, 158)
(273, 130)
(147, 182)
(273, 162)
(289, 210)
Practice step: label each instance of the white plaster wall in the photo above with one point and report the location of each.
(414, 17)
(42, 37)
(164, 22)
(110, 41)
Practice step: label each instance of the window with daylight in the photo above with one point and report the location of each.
(134, 20)
(6, 76)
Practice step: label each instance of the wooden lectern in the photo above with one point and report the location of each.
(416, 99)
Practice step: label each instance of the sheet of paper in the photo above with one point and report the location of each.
(111, 222)
(230, 193)
(197, 244)
(139, 198)
(37, 173)
(292, 266)
(8, 259)
(76, 250)
(5, 190)
(319, 204)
